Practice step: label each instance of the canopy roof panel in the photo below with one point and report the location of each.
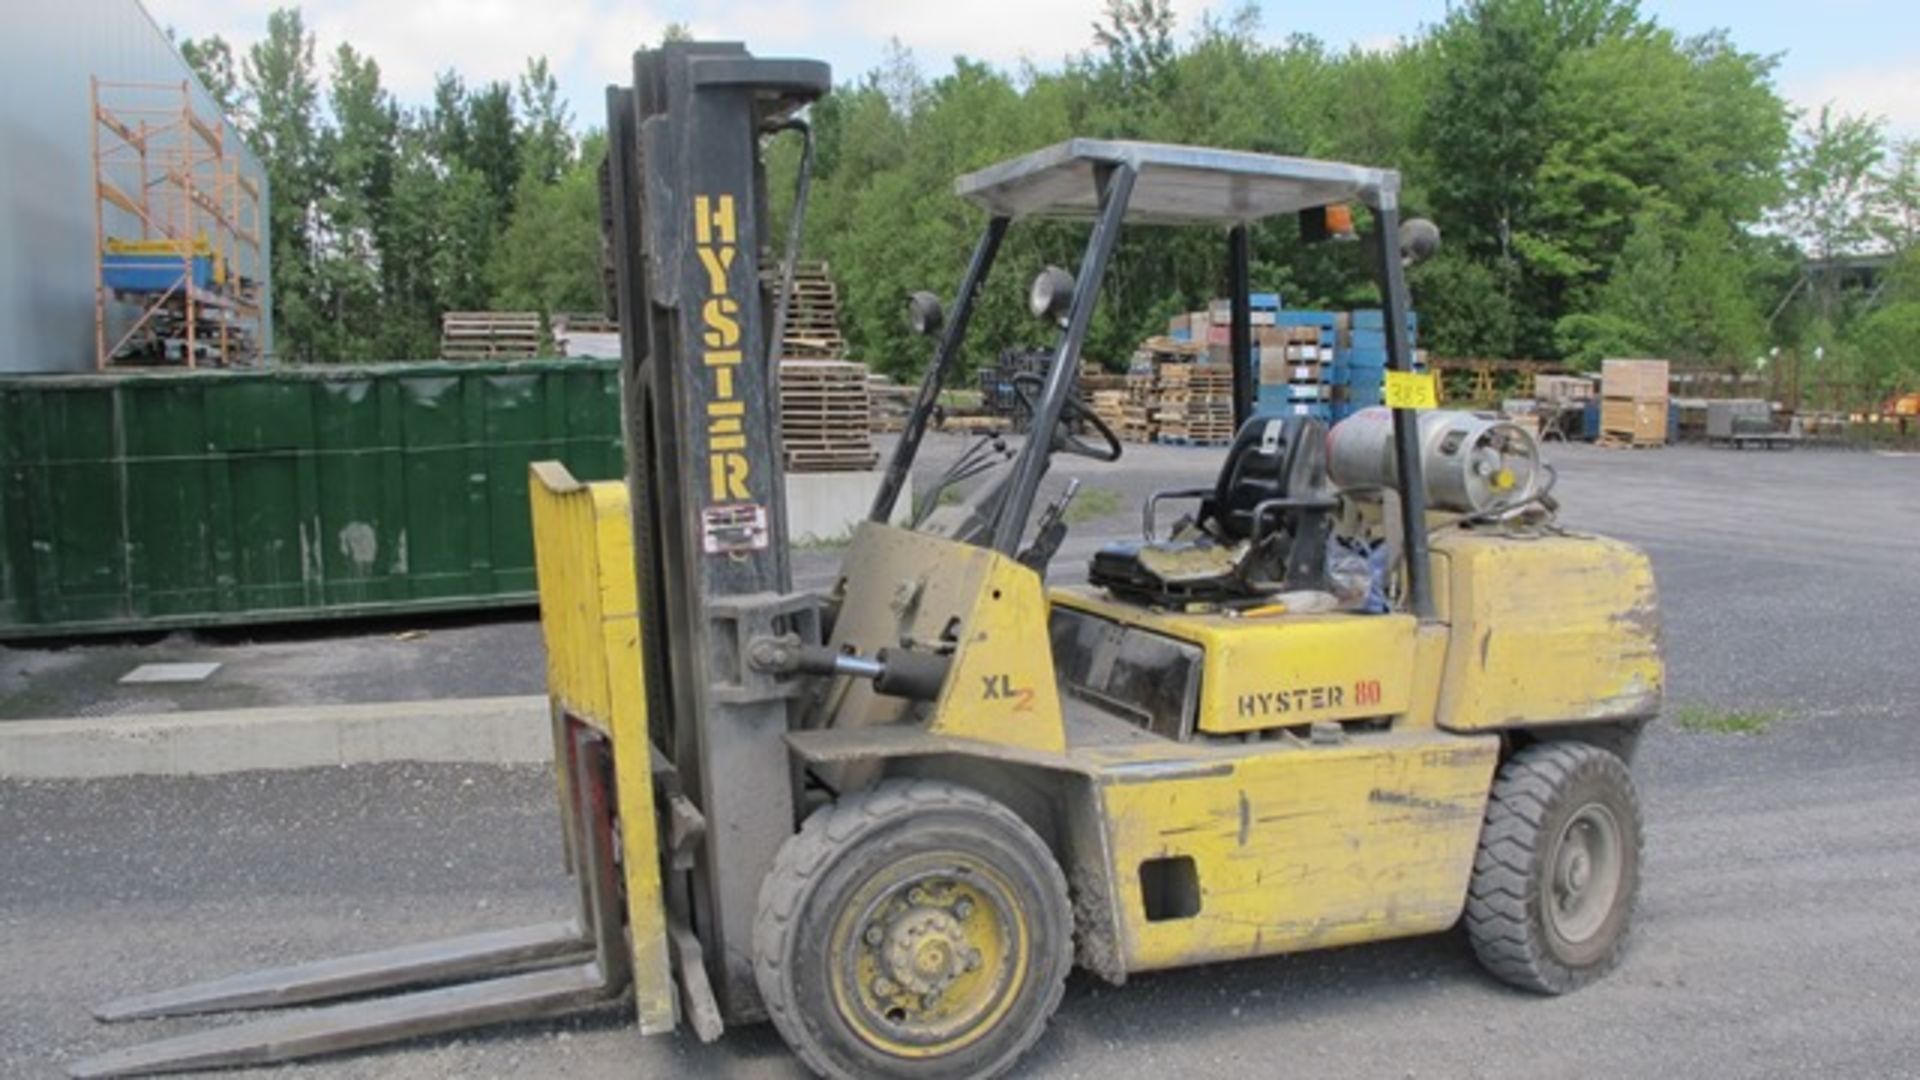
(1175, 185)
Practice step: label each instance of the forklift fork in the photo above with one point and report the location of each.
(516, 974)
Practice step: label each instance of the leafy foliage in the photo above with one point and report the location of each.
(1605, 186)
(382, 218)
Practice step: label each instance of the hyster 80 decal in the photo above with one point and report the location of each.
(1297, 700)
(715, 238)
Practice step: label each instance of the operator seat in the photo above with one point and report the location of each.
(1261, 529)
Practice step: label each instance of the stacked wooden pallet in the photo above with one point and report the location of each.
(1195, 404)
(1110, 406)
(573, 322)
(490, 335)
(1136, 414)
(1633, 409)
(826, 416)
(1104, 393)
(813, 315)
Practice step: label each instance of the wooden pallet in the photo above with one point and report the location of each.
(1110, 406)
(490, 335)
(811, 459)
(1189, 402)
(826, 416)
(975, 424)
(812, 329)
(567, 322)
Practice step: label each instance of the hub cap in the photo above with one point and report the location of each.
(1585, 868)
(928, 955)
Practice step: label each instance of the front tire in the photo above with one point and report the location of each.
(917, 929)
(1558, 871)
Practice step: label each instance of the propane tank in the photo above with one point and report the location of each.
(1472, 462)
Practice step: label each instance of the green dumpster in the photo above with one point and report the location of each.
(200, 498)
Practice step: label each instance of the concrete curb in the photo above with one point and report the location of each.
(504, 730)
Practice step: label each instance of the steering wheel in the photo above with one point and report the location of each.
(1063, 439)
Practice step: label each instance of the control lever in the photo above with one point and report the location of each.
(1053, 530)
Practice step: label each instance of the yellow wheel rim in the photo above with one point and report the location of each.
(928, 954)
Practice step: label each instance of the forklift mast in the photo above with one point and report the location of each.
(700, 419)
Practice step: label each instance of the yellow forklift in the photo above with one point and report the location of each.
(1363, 687)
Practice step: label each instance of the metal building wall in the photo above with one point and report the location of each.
(48, 54)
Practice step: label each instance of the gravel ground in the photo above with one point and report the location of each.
(1779, 932)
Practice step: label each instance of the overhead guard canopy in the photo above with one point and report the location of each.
(1176, 185)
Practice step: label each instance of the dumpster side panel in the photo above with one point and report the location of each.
(138, 501)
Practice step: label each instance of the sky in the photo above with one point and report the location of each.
(1862, 56)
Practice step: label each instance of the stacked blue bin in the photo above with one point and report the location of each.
(1308, 389)
(1360, 360)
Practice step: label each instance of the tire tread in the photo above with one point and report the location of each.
(805, 857)
(1505, 886)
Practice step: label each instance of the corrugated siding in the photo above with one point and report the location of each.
(46, 185)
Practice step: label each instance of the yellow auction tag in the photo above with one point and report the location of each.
(1411, 390)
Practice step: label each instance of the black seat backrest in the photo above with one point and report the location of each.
(1274, 457)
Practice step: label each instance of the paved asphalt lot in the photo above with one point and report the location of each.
(1778, 935)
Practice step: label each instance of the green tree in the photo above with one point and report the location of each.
(1896, 200)
(211, 59)
(1830, 183)
(359, 151)
(548, 259)
(446, 121)
(1463, 306)
(1137, 37)
(546, 143)
(1551, 125)
(494, 144)
(1596, 176)
(1687, 293)
(281, 82)
(1884, 352)
(1828, 210)
(411, 271)
(1716, 314)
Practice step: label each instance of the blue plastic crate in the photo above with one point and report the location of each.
(1376, 319)
(1280, 393)
(1264, 301)
(1317, 410)
(1323, 319)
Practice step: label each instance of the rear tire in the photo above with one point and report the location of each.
(1558, 871)
(917, 929)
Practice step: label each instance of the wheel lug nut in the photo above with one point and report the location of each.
(883, 987)
(875, 935)
(973, 959)
(917, 896)
(928, 1001)
(963, 909)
